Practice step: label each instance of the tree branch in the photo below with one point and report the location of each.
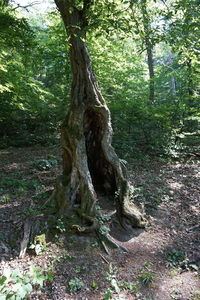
(25, 6)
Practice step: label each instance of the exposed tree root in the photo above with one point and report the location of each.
(83, 229)
(26, 238)
(104, 259)
(33, 226)
(110, 241)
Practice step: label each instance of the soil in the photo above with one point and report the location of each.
(162, 261)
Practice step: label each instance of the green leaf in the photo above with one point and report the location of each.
(94, 285)
(7, 273)
(28, 287)
(16, 273)
(108, 295)
(2, 280)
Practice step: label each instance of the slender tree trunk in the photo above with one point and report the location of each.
(90, 164)
(151, 71)
(149, 49)
(190, 90)
(190, 81)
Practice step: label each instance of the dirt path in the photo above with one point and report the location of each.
(162, 261)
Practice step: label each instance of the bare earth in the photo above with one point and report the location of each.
(162, 262)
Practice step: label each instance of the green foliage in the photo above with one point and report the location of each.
(108, 295)
(36, 76)
(177, 258)
(17, 285)
(39, 244)
(44, 164)
(94, 285)
(115, 285)
(32, 99)
(9, 182)
(112, 278)
(75, 285)
(196, 295)
(130, 286)
(18, 186)
(146, 275)
(5, 198)
(104, 230)
(69, 256)
(60, 225)
(103, 221)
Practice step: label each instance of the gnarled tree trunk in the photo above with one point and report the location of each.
(90, 164)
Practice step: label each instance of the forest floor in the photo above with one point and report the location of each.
(162, 261)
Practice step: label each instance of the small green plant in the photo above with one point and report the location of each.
(95, 244)
(77, 269)
(60, 226)
(111, 276)
(41, 194)
(174, 271)
(177, 258)
(39, 188)
(39, 244)
(21, 190)
(70, 257)
(44, 164)
(108, 295)
(5, 198)
(126, 285)
(196, 295)
(94, 285)
(146, 275)
(32, 212)
(75, 285)
(81, 269)
(103, 221)
(64, 256)
(16, 285)
(104, 229)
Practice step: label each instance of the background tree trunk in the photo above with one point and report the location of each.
(149, 49)
(90, 164)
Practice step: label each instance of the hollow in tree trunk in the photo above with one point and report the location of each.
(90, 164)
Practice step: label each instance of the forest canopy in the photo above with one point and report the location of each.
(145, 56)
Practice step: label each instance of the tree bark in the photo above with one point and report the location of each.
(90, 164)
